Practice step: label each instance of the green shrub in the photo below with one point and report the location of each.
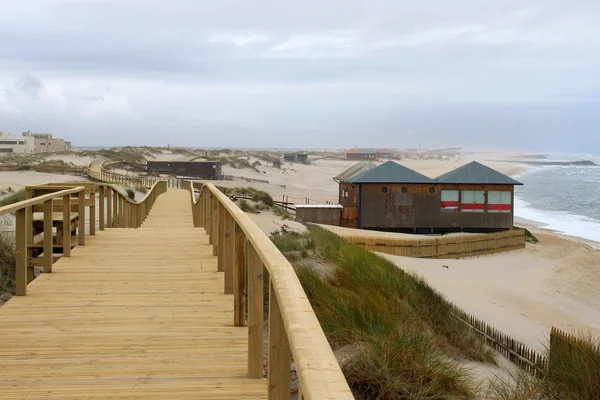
(13, 198)
(7, 264)
(246, 207)
(265, 197)
(130, 193)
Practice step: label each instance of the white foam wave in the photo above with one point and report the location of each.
(561, 222)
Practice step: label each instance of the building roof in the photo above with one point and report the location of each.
(475, 173)
(390, 172)
(353, 171)
(361, 151)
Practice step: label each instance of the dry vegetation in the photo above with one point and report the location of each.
(405, 342)
(409, 344)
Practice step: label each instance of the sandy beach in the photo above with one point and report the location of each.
(553, 283)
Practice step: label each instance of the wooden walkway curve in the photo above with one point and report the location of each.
(133, 314)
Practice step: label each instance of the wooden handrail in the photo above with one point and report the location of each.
(38, 200)
(116, 211)
(293, 326)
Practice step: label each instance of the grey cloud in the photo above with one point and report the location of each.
(309, 73)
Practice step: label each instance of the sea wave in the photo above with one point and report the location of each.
(561, 222)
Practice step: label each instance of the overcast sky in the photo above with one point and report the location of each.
(337, 73)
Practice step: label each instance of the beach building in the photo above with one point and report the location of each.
(192, 169)
(296, 158)
(45, 143)
(385, 153)
(361, 154)
(391, 197)
(16, 144)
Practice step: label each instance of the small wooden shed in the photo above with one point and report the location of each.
(327, 214)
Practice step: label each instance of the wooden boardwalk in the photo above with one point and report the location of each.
(134, 314)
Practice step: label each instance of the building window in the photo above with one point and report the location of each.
(404, 189)
(432, 190)
(21, 142)
(384, 189)
(450, 200)
(473, 201)
(499, 201)
(6, 150)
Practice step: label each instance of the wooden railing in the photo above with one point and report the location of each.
(293, 328)
(56, 206)
(99, 171)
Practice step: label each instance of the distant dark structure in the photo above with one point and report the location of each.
(391, 197)
(361, 154)
(296, 158)
(192, 169)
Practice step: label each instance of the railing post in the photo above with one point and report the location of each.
(66, 225)
(81, 212)
(215, 227)
(238, 280)
(48, 248)
(279, 351)
(115, 223)
(102, 204)
(202, 209)
(207, 221)
(229, 251)
(221, 238)
(255, 313)
(21, 231)
(209, 216)
(109, 207)
(93, 213)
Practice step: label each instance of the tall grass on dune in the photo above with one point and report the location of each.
(13, 198)
(408, 340)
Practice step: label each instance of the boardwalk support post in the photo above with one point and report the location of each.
(229, 251)
(102, 207)
(221, 237)
(215, 227)
(66, 225)
(21, 229)
(255, 314)
(109, 207)
(279, 351)
(81, 217)
(48, 236)
(93, 213)
(239, 278)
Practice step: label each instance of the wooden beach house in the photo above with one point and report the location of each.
(391, 197)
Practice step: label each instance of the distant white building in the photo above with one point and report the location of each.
(16, 144)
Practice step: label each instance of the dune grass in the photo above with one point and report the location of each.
(7, 264)
(13, 198)
(410, 342)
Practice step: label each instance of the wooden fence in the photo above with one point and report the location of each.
(527, 359)
(115, 211)
(443, 247)
(243, 252)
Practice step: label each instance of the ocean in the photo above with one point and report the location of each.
(564, 199)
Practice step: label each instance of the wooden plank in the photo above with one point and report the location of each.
(48, 236)
(66, 240)
(255, 314)
(279, 352)
(21, 229)
(109, 207)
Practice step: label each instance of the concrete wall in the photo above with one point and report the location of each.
(49, 145)
(16, 144)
